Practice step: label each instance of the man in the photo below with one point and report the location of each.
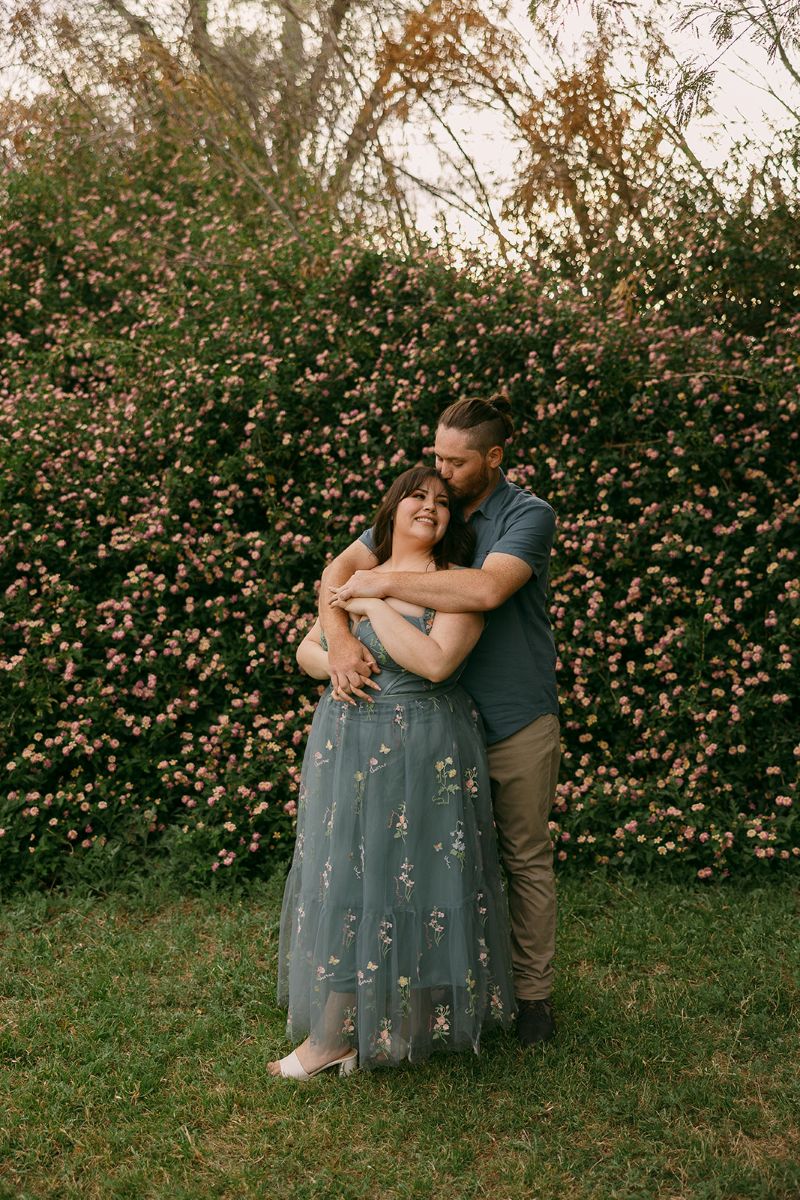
(510, 674)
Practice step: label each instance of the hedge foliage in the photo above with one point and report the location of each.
(198, 407)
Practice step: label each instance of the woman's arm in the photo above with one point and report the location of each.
(310, 656)
(433, 656)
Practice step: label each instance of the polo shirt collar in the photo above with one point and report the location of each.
(493, 500)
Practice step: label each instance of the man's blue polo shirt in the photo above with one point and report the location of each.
(511, 673)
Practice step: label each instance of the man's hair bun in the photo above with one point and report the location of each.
(488, 422)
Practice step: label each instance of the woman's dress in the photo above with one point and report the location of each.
(394, 931)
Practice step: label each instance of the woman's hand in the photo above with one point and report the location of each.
(359, 606)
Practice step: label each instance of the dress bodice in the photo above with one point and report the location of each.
(393, 679)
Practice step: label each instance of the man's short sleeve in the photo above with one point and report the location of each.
(529, 536)
(368, 538)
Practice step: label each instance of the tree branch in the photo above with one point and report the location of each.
(492, 221)
(329, 48)
(138, 25)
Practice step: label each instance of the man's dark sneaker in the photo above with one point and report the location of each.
(535, 1022)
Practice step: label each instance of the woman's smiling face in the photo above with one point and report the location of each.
(425, 513)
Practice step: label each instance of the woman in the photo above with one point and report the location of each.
(394, 932)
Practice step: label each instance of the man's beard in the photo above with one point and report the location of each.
(476, 487)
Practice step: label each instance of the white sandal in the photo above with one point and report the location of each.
(292, 1068)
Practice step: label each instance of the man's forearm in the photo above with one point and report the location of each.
(469, 590)
(335, 622)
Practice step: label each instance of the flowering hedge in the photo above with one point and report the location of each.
(197, 408)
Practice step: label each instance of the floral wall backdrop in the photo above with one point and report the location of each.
(198, 407)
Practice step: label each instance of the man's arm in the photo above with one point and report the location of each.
(470, 590)
(350, 663)
(521, 551)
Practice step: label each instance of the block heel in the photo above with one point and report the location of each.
(349, 1065)
(291, 1067)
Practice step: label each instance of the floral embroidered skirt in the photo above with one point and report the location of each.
(394, 931)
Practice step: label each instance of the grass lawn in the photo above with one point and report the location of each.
(135, 1030)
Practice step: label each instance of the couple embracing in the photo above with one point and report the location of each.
(436, 741)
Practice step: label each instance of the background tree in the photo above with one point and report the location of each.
(732, 25)
(303, 93)
(633, 203)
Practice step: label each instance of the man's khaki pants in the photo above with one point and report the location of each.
(524, 772)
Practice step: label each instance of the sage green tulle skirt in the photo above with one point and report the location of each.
(394, 931)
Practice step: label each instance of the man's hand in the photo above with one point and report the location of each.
(362, 583)
(351, 666)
